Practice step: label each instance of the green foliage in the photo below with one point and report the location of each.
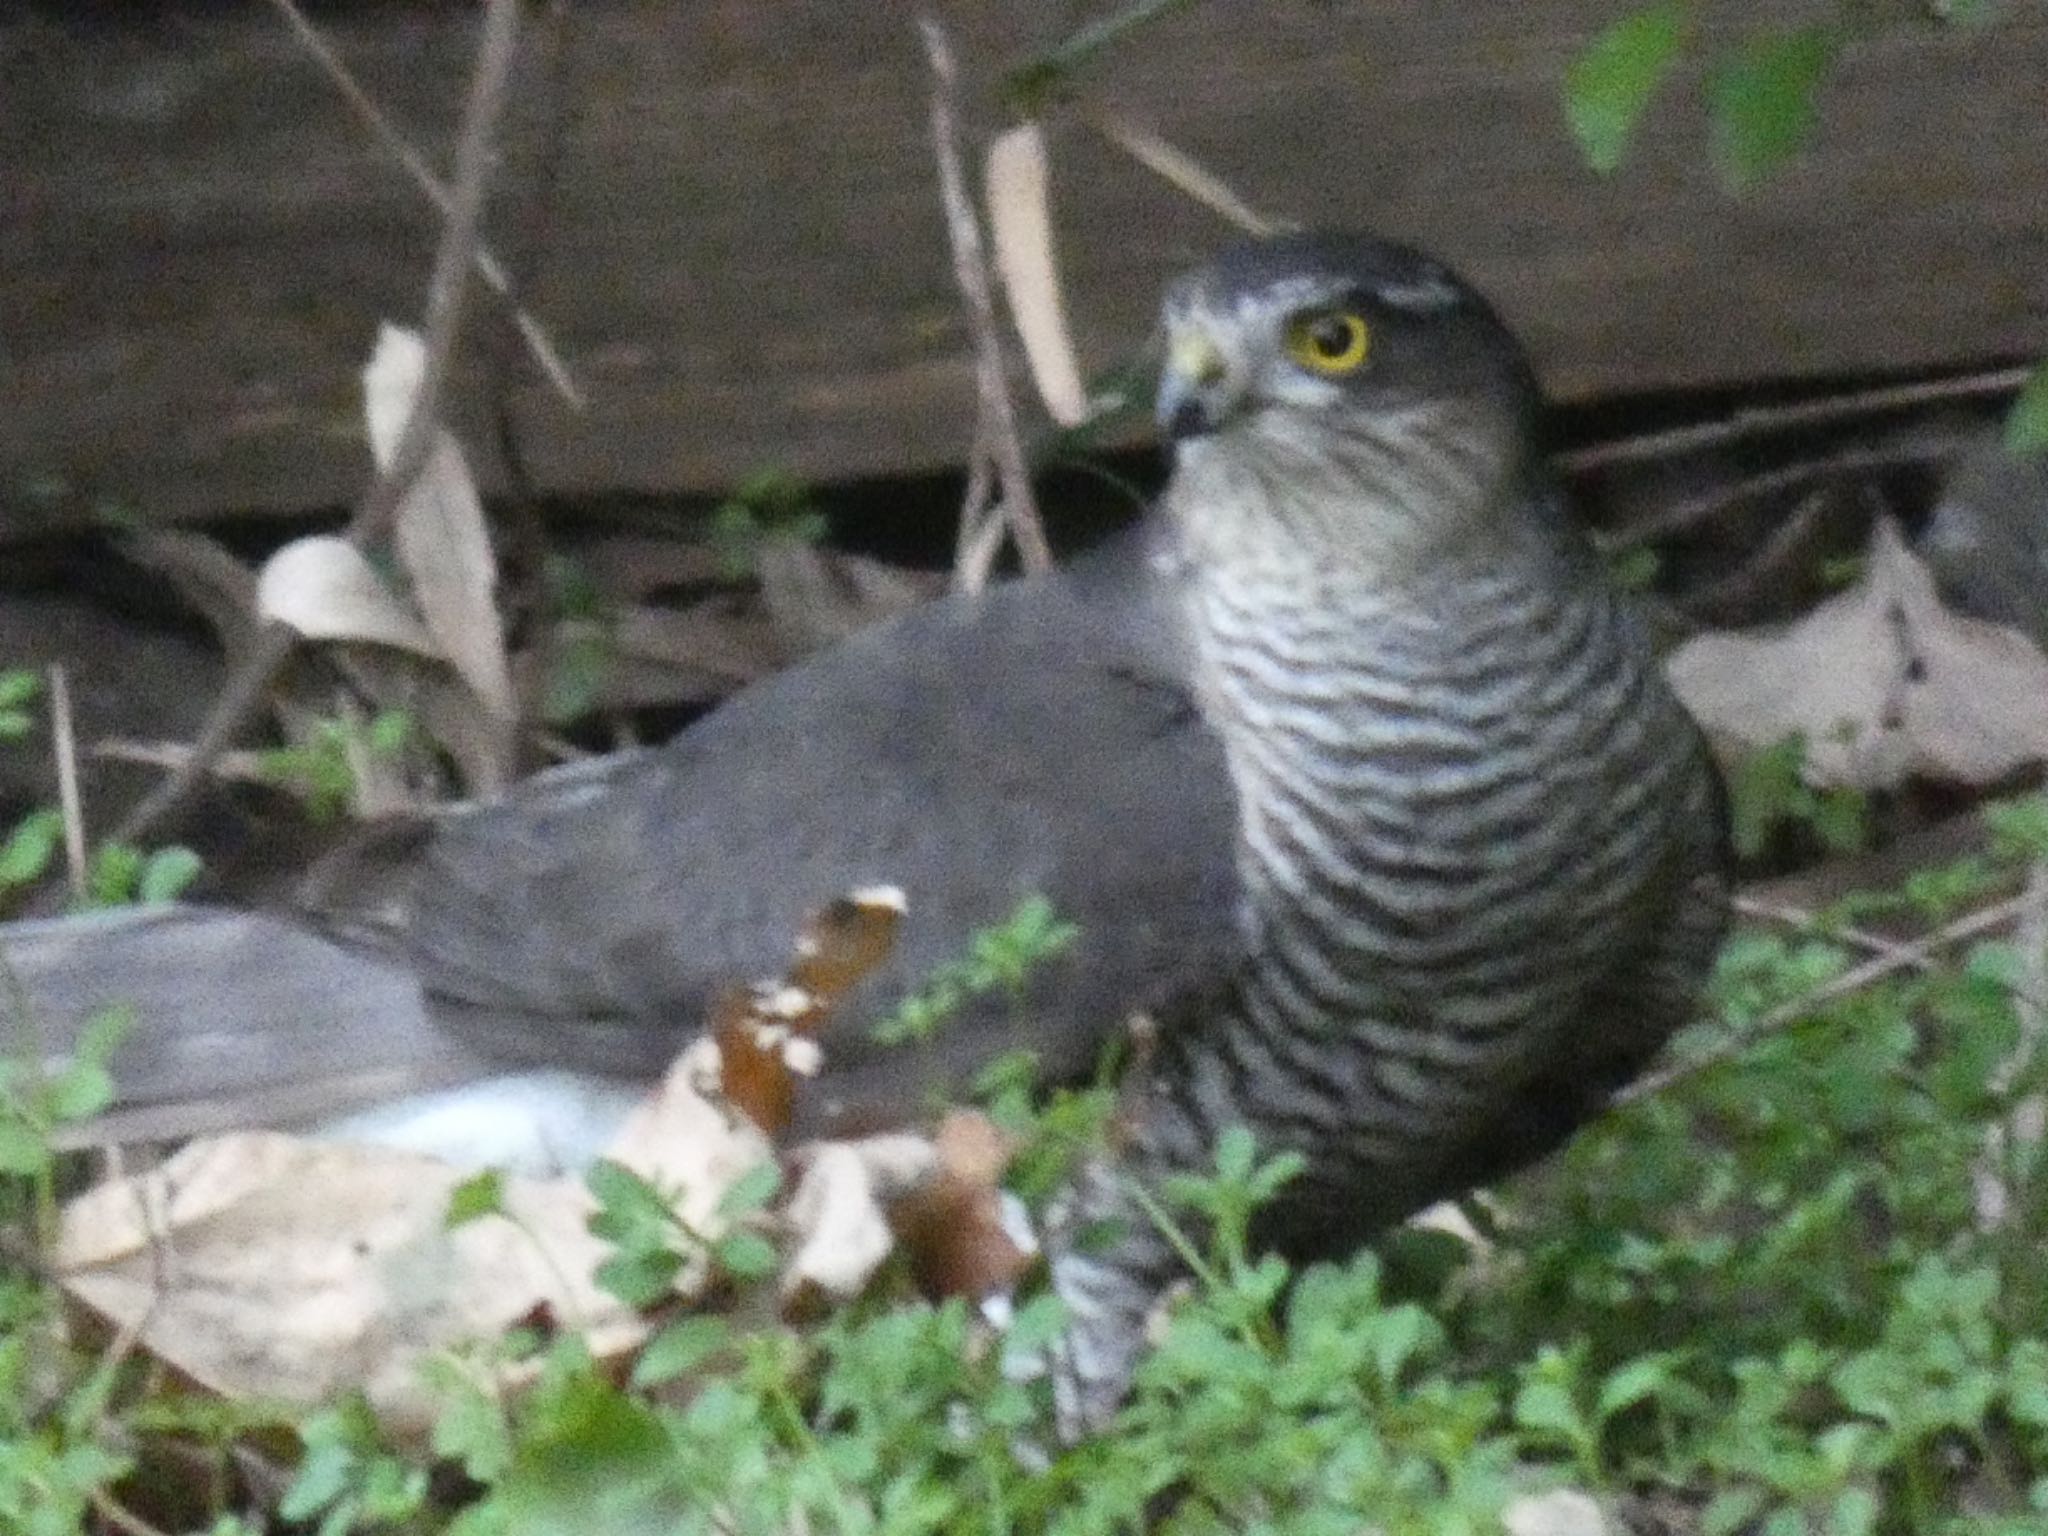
(117, 875)
(1770, 1290)
(1768, 790)
(1761, 94)
(999, 960)
(1763, 100)
(769, 504)
(586, 642)
(321, 771)
(37, 1098)
(2026, 428)
(651, 1243)
(1609, 85)
(19, 689)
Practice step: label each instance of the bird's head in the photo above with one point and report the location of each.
(1337, 396)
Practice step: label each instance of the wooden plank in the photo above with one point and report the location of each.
(745, 259)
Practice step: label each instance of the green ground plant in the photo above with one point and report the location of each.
(1767, 1296)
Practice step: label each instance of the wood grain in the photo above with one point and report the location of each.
(744, 258)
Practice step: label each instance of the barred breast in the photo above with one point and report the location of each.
(1464, 810)
(1481, 877)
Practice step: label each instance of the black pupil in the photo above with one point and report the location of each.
(1330, 336)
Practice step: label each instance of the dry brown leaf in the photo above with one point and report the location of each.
(954, 1226)
(264, 1265)
(440, 533)
(1883, 681)
(324, 588)
(767, 1034)
(1020, 227)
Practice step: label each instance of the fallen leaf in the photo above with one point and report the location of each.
(767, 1034)
(263, 1265)
(957, 1227)
(440, 533)
(839, 1219)
(1020, 228)
(1881, 680)
(323, 588)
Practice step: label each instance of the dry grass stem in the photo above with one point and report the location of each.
(1017, 506)
(1788, 916)
(64, 744)
(1766, 420)
(1180, 170)
(401, 149)
(2010, 1146)
(1856, 979)
(447, 289)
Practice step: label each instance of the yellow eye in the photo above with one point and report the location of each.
(1328, 342)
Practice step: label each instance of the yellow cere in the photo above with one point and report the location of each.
(1328, 342)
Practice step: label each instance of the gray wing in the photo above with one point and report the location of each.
(1034, 740)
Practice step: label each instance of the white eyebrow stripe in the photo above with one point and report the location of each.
(1424, 295)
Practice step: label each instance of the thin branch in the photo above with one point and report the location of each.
(1765, 420)
(401, 149)
(1691, 511)
(446, 291)
(970, 270)
(1176, 167)
(1787, 915)
(2010, 1144)
(64, 743)
(1856, 979)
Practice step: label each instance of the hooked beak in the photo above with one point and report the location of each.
(1197, 393)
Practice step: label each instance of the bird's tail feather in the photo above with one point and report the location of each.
(240, 1019)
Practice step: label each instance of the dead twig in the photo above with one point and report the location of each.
(2009, 1146)
(446, 291)
(1788, 916)
(400, 148)
(1018, 507)
(1690, 512)
(1766, 420)
(1180, 170)
(1856, 979)
(64, 743)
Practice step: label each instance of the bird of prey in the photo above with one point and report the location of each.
(1365, 784)
(1480, 847)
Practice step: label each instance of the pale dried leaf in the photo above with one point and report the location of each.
(391, 382)
(1020, 227)
(324, 588)
(682, 1137)
(1560, 1512)
(264, 1265)
(1882, 680)
(441, 536)
(445, 547)
(841, 1229)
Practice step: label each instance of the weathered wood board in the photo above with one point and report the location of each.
(744, 257)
